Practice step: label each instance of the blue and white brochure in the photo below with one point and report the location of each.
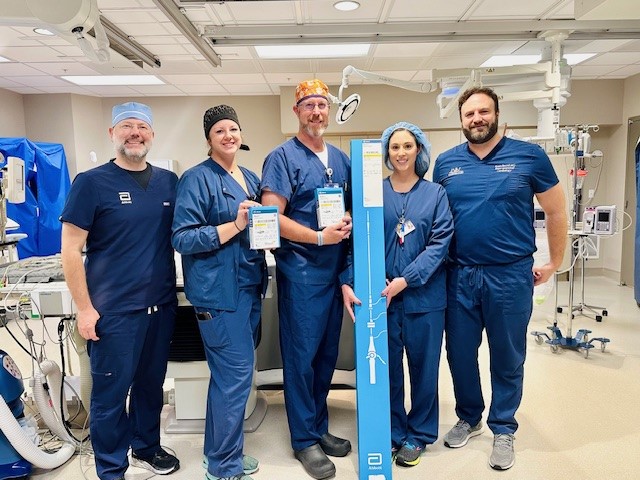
(330, 205)
(264, 228)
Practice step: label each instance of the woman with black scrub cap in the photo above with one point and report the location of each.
(224, 281)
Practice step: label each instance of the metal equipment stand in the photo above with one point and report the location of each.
(581, 341)
(591, 311)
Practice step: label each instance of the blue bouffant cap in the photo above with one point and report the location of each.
(424, 155)
(136, 110)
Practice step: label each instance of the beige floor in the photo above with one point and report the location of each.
(580, 418)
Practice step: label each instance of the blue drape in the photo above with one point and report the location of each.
(48, 183)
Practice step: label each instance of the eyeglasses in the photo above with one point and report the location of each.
(311, 106)
(127, 127)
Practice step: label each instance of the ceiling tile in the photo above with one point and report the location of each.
(411, 11)
(626, 71)
(591, 71)
(211, 88)
(29, 54)
(404, 50)
(499, 9)
(16, 69)
(614, 58)
(251, 89)
(39, 81)
(189, 79)
(239, 78)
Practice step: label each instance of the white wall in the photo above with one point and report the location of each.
(12, 122)
(81, 123)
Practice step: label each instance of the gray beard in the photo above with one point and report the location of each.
(133, 157)
(315, 132)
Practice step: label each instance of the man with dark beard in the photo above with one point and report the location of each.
(124, 293)
(307, 268)
(490, 182)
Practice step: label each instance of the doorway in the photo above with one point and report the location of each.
(629, 235)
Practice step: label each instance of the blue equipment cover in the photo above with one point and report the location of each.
(47, 185)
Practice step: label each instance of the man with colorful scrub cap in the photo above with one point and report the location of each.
(307, 268)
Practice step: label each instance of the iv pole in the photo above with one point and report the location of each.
(581, 341)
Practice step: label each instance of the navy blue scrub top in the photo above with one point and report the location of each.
(294, 172)
(492, 200)
(129, 263)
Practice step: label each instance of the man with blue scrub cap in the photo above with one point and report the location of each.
(418, 227)
(307, 267)
(125, 292)
(491, 181)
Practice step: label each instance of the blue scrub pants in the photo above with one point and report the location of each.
(420, 335)
(229, 344)
(498, 299)
(310, 324)
(130, 358)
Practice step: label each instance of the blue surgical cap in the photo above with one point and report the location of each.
(136, 110)
(424, 155)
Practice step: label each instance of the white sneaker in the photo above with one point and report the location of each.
(460, 434)
(503, 456)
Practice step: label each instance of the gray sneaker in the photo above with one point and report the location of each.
(503, 457)
(460, 434)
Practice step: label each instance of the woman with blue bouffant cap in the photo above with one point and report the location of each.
(418, 227)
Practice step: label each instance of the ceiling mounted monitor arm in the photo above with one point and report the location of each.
(100, 54)
(68, 19)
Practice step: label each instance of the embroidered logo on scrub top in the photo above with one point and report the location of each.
(455, 171)
(505, 167)
(125, 198)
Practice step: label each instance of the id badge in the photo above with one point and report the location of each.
(329, 206)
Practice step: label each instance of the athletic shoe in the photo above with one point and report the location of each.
(409, 455)
(460, 434)
(249, 464)
(503, 457)
(160, 463)
(208, 476)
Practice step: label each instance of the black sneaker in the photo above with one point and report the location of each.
(160, 463)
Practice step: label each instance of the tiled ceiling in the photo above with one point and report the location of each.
(409, 39)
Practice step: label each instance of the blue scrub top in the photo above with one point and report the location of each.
(209, 196)
(129, 263)
(492, 200)
(420, 258)
(294, 172)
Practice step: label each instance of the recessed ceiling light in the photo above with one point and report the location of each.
(43, 31)
(313, 50)
(113, 79)
(346, 5)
